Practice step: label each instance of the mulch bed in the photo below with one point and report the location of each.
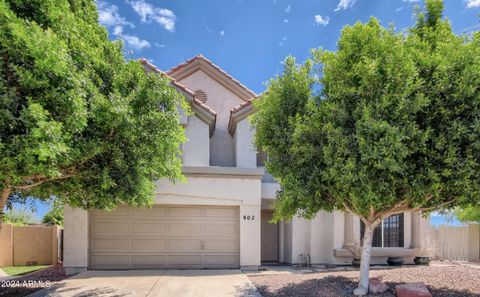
(446, 281)
(29, 283)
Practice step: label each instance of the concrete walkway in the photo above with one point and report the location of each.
(177, 283)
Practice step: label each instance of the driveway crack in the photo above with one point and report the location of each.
(156, 282)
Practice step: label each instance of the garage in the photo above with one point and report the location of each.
(165, 236)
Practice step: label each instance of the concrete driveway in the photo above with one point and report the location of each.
(177, 283)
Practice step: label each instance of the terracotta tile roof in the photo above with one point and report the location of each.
(220, 70)
(178, 85)
(241, 106)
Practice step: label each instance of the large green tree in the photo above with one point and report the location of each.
(390, 122)
(78, 121)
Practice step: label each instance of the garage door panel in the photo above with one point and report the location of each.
(141, 227)
(154, 211)
(220, 212)
(188, 212)
(221, 245)
(149, 245)
(111, 244)
(165, 237)
(149, 260)
(110, 260)
(220, 229)
(190, 260)
(183, 229)
(221, 260)
(109, 227)
(180, 245)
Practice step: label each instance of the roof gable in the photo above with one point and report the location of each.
(199, 62)
(201, 110)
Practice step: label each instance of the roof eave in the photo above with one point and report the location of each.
(237, 115)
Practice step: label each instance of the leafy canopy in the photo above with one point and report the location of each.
(77, 120)
(54, 216)
(468, 214)
(388, 122)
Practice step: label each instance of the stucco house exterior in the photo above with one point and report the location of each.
(219, 218)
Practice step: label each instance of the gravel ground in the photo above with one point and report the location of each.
(441, 281)
(29, 283)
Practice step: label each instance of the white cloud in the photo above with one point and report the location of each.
(108, 15)
(282, 42)
(148, 13)
(287, 10)
(411, 1)
(344, 4)
(131, 40)
(285, 20)
(320, 20)
(473, 3)
(159, 45)
(399, 9)
(222, 33)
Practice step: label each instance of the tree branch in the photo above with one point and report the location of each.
(42, 181)
(433, 207)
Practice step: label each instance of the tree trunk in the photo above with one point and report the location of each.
(3, 200)
(362, 288)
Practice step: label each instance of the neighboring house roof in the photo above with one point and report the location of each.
(201, 110)
(199, 62)
(239, 113)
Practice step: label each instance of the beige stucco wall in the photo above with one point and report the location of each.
(32, 243)
(6, 236)
(196, 149)
(221, 100)
(324, 239)
(22, 244)
(245, 152)
(75, 240)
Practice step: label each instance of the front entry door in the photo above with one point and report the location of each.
(269, 238)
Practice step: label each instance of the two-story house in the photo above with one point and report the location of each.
(219, 217)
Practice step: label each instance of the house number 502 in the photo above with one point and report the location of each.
(248, 218)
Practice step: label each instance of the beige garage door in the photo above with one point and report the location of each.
(165, 237)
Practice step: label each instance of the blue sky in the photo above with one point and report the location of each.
(250, 38)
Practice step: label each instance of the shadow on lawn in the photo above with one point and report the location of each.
(343, 286)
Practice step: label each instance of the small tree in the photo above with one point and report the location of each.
(393, 125)
(54, 216)
(77, 120)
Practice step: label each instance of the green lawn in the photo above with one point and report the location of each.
(21, 270)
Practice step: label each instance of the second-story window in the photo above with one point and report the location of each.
(261, 158)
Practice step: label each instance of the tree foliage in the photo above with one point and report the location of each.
(18, 217)
(54, 216)
(77, 120)
(390, 122)
(468, 214)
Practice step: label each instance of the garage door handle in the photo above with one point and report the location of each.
(203, 245)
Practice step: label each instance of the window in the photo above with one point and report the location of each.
(389, 233)
(261, 158)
